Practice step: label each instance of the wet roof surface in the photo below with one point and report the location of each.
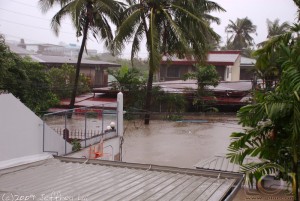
(214, 57)
(181, 85)
(54, 177)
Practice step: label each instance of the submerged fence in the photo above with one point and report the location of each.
(85, 125)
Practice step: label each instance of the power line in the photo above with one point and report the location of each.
(18, 13)
(35, 17)
(23, 3)
(35, 27)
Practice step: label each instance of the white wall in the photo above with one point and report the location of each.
(235, 75)
(21, 131)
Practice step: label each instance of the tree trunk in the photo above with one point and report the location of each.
(148, 97)
(74, 91)
(296, 184)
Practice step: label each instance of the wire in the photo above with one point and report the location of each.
(18, 13)
(17, 2)
(35, 27)
(32, 16)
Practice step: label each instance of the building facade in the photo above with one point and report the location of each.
(227, 64)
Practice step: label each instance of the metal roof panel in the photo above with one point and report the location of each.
(111, 181)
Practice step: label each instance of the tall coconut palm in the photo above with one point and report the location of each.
(274, 28)
(172, 27)
(240, 31)
(93, 15)
(297, 2)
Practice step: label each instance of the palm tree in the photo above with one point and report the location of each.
(240, 31)
(93, 15)
(274, 28)
(172, 27)
(297, 2)
(267, 67)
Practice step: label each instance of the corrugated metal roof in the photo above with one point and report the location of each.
(180, 86)
(213, 57)
(57, 59)
(67, 178)
(222, 57)
(71, 60)
(19, 50)
(221, 163)
(247, 61)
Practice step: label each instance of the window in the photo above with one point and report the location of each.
(173, 71)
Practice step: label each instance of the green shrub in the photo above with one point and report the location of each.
(76, 146)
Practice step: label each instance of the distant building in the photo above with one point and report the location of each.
(94, 69)
(247, 68)
(70, 50)
(230, 65)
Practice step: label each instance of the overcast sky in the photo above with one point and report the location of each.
(24, 19)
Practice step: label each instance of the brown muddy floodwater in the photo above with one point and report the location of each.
(175, 143)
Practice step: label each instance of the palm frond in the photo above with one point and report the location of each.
(56, 20)
(153, 44)
(136, 41)
(127, 29)
(255, 171)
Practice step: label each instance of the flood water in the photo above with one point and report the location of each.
(176, 143)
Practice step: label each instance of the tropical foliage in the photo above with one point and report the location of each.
(25, 79)
(240, 34)
(275, 28)
(127, 79)
(86, 15)
(273, 122)
(206, 76)
(132, 83)
(173, 27)
(62, 81)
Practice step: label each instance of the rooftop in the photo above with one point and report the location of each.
(247, 61)
(58, 59)
(180, 86)
(70, 60)
(214, 57)
(107, 180)
(221, 163)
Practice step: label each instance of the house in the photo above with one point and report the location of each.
(94, 69)
(247, 68)
(229, 96)
(230, 65)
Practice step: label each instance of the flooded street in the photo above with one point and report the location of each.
(176, 143)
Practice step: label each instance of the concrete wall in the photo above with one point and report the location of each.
(235, 70)
(21, 131)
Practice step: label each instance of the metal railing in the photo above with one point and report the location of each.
(85, 125)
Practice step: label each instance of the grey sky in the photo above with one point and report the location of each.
(24, 19)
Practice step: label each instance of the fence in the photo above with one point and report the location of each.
(86, 125)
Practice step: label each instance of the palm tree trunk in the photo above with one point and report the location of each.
(74, 91)
(148, 97)
(295, 170)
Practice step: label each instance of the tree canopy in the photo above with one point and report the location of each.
(172, 27)
(25, 79)
(240, 34)
(273, 121)
(86, 15)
